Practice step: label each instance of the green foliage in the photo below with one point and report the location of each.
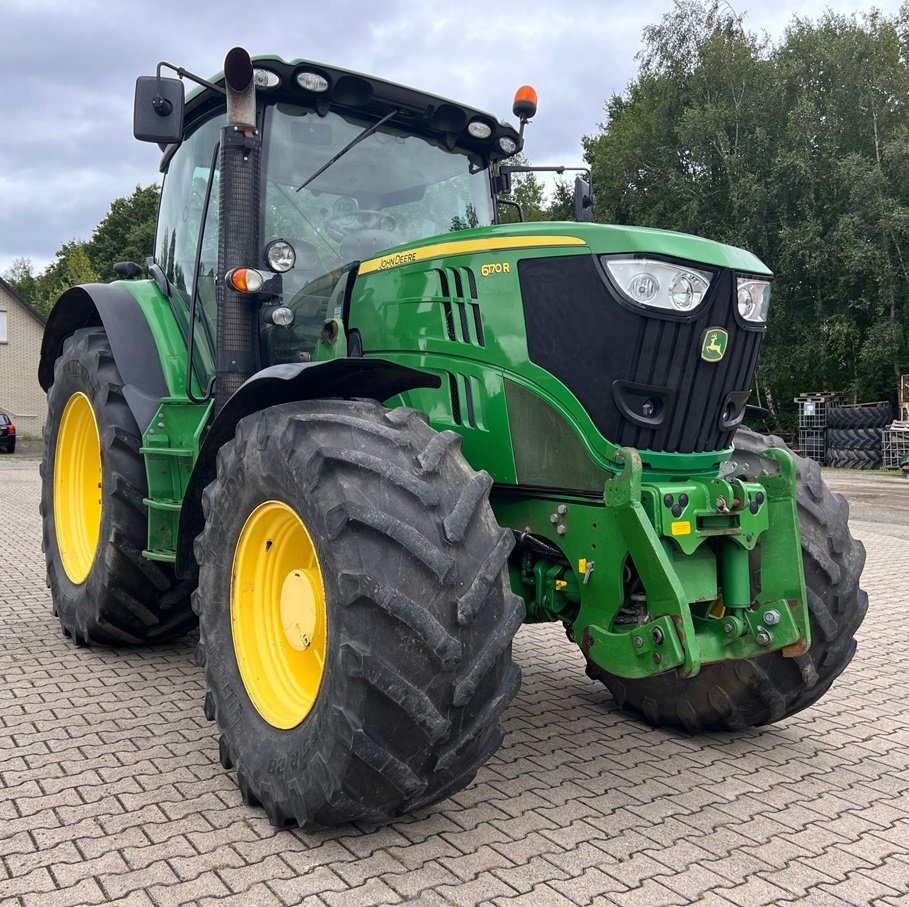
(127, 233)
(21, 278)
(72, 267)
(468, 222)
(798, 152)
(561, 204)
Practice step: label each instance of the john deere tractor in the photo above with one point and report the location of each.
(363, 430)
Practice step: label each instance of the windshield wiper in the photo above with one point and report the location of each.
(368, 131)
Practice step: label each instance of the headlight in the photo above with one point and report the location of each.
(312, 81)
(659, 284)
(479, 130)
(265, 78)
(282, 316)
(753, 298)
(280, 255)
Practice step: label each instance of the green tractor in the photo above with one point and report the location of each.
(362, 431)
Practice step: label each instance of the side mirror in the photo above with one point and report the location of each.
(583, 201)
(158, 111)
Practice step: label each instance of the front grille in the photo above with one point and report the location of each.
(619, 360)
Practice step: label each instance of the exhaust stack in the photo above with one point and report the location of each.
(240, 86)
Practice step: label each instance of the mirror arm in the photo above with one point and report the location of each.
(511, 204)
(185, 73)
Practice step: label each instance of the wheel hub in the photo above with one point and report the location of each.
(298, 609)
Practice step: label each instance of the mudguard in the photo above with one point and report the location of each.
(131, 342)
(378, 379)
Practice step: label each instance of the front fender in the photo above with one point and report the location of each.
(379, 379)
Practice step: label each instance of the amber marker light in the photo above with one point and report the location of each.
(525, 102)
(245, 280)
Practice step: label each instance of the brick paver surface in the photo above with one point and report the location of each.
(111, 790)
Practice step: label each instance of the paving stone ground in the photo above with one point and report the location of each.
(111, 790)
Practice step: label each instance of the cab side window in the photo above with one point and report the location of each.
(180, 217)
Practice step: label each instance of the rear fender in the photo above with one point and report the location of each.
(128, 332)
(378, 379)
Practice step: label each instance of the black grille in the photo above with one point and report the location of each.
(460, 388)
(455, 399)
(640, 376)
(463, 323)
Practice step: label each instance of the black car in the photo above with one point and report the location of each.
(7, 433)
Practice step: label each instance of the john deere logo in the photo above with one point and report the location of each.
(713, 347)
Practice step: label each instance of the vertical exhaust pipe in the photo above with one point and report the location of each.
(239, 163)
(240, 86)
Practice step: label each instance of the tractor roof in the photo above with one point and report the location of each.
(372, 98)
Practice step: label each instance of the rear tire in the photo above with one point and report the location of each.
(867, 415)
(404, 668)
(107, 592)
(856, 438)
(736, 694)
(852, 458)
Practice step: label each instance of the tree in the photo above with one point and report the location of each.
(561, 204)
(72, 266)
(127, 233)
(21, 277)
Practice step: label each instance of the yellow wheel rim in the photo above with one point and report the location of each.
(277, 614)
(77, 488)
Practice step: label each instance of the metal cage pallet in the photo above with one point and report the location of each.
(896, 447)
(813, 443)
(813, 407)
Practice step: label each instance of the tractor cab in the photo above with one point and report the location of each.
(346, 166)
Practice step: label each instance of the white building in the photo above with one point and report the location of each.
(21, 329)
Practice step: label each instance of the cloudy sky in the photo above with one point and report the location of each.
(67, 72)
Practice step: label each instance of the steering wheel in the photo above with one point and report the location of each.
(340, 225)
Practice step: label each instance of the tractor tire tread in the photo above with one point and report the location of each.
(409, 706)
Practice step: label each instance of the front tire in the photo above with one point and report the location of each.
(735, 694)
(355, 617)
(94, 521)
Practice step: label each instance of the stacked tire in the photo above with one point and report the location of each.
(855, 435)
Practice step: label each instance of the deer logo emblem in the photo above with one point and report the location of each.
(713, 346)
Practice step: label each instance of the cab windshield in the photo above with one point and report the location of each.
(389, 189)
